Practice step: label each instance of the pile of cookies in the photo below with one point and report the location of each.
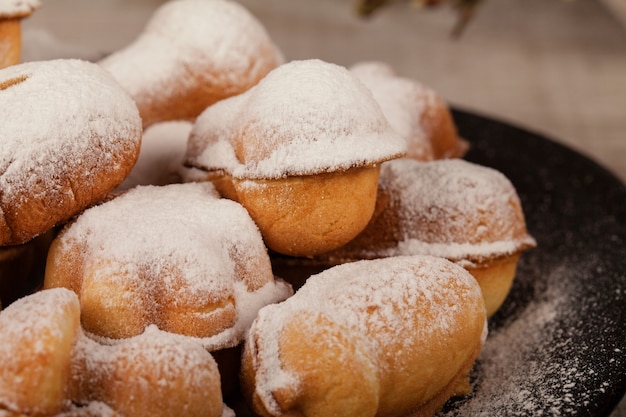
(321, 249)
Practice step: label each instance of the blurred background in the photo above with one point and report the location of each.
(555, 67)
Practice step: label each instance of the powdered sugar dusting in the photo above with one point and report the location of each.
(403, 102)
(76, 122)
(152, 237)
(248, 305)
(304, 117)
(24, 316)
(270, 375)
(472, 201)
(344, 290)
(449, 208)
(464, 254)
(34, 331)
(172, 354)
(533, 365)
(130, 232)
(215, 41)
(210, 144)
(92, 409)
(374, 301)
(17, 8)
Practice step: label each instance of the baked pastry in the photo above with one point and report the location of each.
(301, 151)
(12, 12)
(54, 367)
(37, 332)
(414, 110)
(69, 136)
(129, 376)
(467, 213)
(191, 54)
(175, 256)
(355, 341)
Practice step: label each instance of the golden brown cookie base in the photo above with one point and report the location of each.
(309, 215)
(495, 280)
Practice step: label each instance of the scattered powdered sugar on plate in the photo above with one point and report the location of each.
(517, 373)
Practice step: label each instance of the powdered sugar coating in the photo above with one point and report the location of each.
(303, 118)
(403, 102)
(41, 335)
(17, 8)
(67, 127)
(178, 244)
(215, 46)
(93, 409)
(374, 302)
(473, 208)
(449, 208)
(24, 317)
(210, 143)
(36, 335)
(154, 364)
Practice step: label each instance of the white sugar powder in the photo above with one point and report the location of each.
(374, 301)
(141, 237)
(532, 365)
(403, 102)
(62, 120)
(450, 208)
(218, 42)
(303, 118)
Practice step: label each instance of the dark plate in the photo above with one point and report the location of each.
(558, 345)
